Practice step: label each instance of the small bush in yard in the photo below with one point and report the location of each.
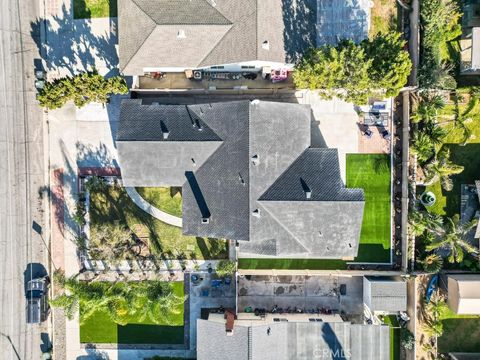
(226, 268)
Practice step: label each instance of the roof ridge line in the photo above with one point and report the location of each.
(216, 44)
(146, 37)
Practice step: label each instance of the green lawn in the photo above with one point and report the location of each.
(86, 9)
(370, 172)
(99, 328)
(391, 320)
(166, 199)
(460, 333)
(114, 206)
(448, 202)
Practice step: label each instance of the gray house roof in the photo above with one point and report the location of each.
(385, 293)
(186, 33)
(292, 341)
(248, 173)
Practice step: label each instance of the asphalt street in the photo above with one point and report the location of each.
(22, 180)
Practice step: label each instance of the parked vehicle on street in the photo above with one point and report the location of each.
(37, 302)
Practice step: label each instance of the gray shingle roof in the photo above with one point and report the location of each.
(216, 32)
(384, 293)
(245, 182)
(292, 341)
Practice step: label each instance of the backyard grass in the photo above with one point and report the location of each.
(86, 9)
(100, 329)
(448, 202)
(371, 172)
(391, 320)
(460, 333)
(383, 17)
(166, 199)
(114, 206)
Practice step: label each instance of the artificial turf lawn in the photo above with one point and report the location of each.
(460, 333)
(391, 320)
(100, 329)
(86, 9)
(114, 206)
(370, 172)
(448, 202)
(166, 199)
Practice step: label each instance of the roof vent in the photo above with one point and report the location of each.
(320, 233)
(256, 213)
(306, 189)
(349, 245)
(266, 45)
(181, 34)
(240, 177)
(164, 130)
(255, 160)
(193, 162)
(255, 102)
(197, 123)
(205, 220)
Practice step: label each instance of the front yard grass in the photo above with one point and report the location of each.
(448, 202)
(113, 206)
(371, 172)
(87, 9)
(383, 17)
(100, 329)
(166, 199)
(460, 333)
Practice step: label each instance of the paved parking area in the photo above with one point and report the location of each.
(203, 295)
(305, 292)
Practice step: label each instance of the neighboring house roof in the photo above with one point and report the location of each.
(464, 293)
(190, 34)
(385, 293)
(292, 341)
(248, 174)
(477, 231)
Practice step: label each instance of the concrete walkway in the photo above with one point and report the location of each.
(152, 210)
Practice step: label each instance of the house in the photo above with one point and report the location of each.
(464, 293)
(290, 337)
(230, 35)
(248, 172)
(385, 294)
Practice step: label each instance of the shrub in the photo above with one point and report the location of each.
(226, 268)
(407, 339)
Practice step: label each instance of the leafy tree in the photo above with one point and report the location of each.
(432, 263)
(441, 169)
(154, 300)
(391, 64)
(427, 110)
(355, 72)
(83, 88)
(226, 268)
(453, 239)
(407, 339)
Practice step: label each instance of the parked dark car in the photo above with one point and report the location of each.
(37, 302)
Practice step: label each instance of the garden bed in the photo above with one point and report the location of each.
(100, 329)
(113, 207)
(383, 16)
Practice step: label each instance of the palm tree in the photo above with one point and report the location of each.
(112, 242)
(428, 107)
(420, 221)
(435, 132)
(441, 169)
(432, 263)
(422, 146)
(461, 118)
(96, 183)
(452, 238)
